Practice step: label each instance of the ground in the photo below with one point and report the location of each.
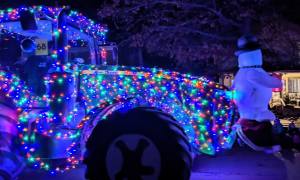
(240, 163)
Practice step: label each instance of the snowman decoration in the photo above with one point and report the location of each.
(252, 92)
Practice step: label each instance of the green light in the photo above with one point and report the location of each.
(223, 112)
(202, 138)
(26, 138)
(75, 135)
(23, 119)
(58, 135)
(202, 128)
(32, 137)
(46, 167)
(200, 120)
(31, 159)
(54, 56)
(60, 80)
(194, 91)
(131, 90)
(204, 102)
(69, 118)
(56, 33)
(21, 102)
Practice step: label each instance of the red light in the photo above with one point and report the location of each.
(103, 54)
(277, 90)
(279, 76)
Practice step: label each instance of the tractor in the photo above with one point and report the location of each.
(64, 101)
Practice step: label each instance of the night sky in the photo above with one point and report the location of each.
(289, 8)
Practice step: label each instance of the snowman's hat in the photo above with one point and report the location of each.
(246, 43)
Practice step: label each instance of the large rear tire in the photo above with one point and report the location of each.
(139, 144)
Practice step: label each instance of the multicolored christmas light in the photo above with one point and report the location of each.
(84, 24)
(199, 105)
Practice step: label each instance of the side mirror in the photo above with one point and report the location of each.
(109, 54)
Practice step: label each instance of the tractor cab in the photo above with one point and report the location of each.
(45, 31)
(34, 39)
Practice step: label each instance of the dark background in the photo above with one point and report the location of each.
(288, 9)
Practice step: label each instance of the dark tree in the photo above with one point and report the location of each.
(202, 33)
(197, 35)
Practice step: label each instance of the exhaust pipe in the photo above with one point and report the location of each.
(62, 109)
(62, 39)
(27, 20)
(28, 23)
(28, 45)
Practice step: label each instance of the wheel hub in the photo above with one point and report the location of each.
(133, 156)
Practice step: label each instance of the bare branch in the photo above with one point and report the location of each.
(214, 4)
(194, 31)
(125, 42)
(183, 5)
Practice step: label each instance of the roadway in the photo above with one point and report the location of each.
(240, 163)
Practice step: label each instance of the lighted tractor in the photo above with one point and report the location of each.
(64, 101)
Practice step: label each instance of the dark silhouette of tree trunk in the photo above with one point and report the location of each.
(140, 56)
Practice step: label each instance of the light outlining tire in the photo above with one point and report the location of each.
(140, 143)
(93, 116)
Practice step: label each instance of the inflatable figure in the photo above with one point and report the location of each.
(253, 91)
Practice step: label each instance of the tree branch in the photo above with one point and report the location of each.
(183, 5)
(214, 4)
(194, 31)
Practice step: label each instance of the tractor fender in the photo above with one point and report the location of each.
(98, 114)
(91, 120)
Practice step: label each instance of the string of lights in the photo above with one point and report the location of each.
(198, 104)
(84, 24)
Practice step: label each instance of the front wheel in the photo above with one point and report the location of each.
(139, 144)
